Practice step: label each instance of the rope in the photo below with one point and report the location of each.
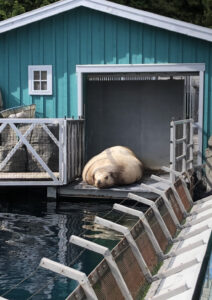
(53, 256)
(20, 282)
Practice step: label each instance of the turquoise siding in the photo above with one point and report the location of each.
(83, 36)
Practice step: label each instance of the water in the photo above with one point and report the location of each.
(32, 227)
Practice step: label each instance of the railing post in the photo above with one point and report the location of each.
(184, 147)
(191, 149)
(64, 180)
(70, 273)
(172, 150)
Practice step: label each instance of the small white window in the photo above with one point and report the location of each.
(40, 80)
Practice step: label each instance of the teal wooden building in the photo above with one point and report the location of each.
(107, 63)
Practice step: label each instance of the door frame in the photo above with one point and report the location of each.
(199, 68)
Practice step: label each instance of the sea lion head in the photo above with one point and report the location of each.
(103, 179)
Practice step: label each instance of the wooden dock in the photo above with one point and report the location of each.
(83, 190)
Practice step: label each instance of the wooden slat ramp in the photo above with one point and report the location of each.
(162, 254)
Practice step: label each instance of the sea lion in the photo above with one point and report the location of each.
(117, 165)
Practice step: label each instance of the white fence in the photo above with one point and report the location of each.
(48, 176)
(181, 146)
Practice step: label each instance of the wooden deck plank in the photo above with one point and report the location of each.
(81, 189)
(26, 176)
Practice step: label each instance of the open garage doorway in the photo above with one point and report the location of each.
(135, 109)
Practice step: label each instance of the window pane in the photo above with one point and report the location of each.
(43, 75)
(36, 75)
(36, 85)
(44, 85)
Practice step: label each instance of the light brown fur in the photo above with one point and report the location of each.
(114, 166)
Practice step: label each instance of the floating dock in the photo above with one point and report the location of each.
(83, 190)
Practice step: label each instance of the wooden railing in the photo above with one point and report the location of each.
(181, 146)
(30, 141)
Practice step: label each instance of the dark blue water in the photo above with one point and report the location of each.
(32, 227)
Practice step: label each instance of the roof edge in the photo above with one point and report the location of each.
(112, 8)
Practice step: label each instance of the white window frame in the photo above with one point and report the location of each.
(33, 68)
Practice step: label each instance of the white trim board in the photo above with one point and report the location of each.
(147, 68)
(110, 8)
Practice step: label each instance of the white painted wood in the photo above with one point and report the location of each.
(108, 257)
(156, 212)
(141, 68)
(158, 178)
(172, 150)
(46, 129)
(89, 245)
(111, 225)
(80, 93)
(12, 152)
(177, 269)
(64, 151)
(186, 248)
(30, 121)
(147, 228)
(60, 152)
(31, 183)
(70, 273)
(185, 121)
(192, 233)
(199, 220)
(34, 153)
(166, 202)
(187, 156)
(184, 166)
(169, 170)
(190, 146)
(62, 145)
(31, 69)
(171, 292)
(181, 157)
(113, 9)
(126, 232)
(200, 116)
(179, 141)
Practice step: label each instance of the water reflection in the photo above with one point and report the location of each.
(32, 228)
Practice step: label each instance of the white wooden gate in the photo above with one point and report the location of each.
(181, 146)
(31, 179)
